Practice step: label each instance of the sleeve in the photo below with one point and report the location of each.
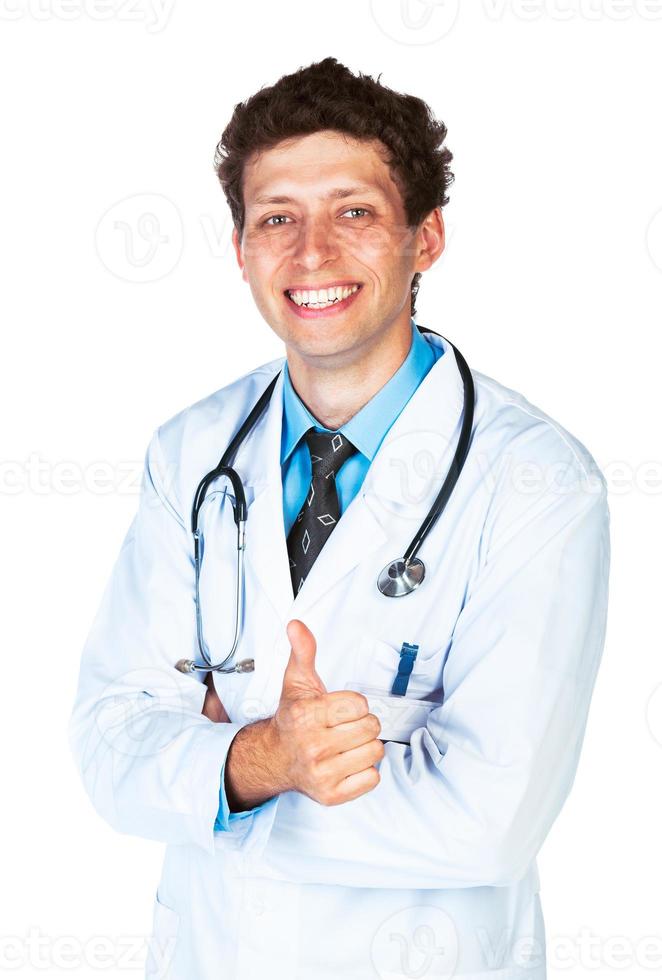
(148, 758)
(471, 799)
(224, 817)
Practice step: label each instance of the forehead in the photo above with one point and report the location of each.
(321, 164)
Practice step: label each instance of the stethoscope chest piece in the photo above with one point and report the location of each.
(400, 577)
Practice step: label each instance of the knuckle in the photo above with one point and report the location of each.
(328, 797)
(306, 712)
(343, 707)
(361, 702)
(375, 723)
(309, 752)
(318, 711)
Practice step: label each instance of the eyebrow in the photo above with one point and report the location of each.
(337, 194)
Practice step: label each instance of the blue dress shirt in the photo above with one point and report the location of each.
(365, 430)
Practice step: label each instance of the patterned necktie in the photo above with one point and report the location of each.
(320, 511)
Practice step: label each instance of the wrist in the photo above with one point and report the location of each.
(253, 771)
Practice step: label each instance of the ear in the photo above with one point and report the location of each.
(431, 240)
(236, 242)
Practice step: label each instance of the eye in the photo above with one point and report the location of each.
(365, 210)
(273, 216)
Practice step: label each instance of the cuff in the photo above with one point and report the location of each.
(224, 818)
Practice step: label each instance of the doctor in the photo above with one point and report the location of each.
(300, 844)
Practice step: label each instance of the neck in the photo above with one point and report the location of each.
(334, 389)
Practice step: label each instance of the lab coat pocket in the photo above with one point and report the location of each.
(376, 665)
(375, 668)
(161, 952)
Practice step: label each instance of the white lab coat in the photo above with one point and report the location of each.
(432, 873)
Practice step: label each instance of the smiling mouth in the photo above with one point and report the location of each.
(321, 299)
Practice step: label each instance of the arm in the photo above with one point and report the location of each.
(471, 800)
(229, 808)
(228, 811)
(148, 758)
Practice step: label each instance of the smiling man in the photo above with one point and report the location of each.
(330, 254)
(361, 790)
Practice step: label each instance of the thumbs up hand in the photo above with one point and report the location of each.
(326, 743)
(322, 744)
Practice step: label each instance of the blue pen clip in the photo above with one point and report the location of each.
(407, 657)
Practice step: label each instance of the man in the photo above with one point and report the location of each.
(300, 843)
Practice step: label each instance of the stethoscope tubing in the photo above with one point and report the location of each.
(457, 463)
(409, 562)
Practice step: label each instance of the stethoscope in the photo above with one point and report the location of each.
(400, 577)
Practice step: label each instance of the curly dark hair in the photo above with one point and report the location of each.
(326, 95)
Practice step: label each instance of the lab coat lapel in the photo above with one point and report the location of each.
(411, 464)
(401, 484)
(357, 534)
(258, 464)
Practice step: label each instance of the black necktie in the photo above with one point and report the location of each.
(320, 511)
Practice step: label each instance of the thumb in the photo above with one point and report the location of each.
(300, 678)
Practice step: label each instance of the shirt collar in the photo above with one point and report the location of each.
(367, 428)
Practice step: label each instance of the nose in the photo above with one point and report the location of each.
(315, 244)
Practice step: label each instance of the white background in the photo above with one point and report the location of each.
(550, 284)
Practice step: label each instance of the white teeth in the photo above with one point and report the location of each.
(321, 298)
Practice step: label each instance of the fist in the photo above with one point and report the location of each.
(327, 743)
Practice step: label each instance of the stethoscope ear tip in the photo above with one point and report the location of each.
(185, 666)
